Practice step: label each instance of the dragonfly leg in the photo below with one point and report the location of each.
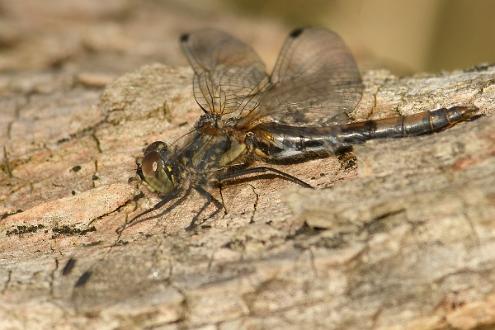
(209, 199)
(165, 199)
(237, 174)
(220, 189)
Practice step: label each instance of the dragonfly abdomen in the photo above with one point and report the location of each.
(401, 126)
(276, 142)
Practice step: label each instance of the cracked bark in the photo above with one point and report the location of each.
(399, 234)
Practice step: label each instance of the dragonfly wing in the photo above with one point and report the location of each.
(315, 82)
(228, 74)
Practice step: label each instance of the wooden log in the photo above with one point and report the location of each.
(399, 234)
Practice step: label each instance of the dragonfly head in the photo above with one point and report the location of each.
(158, 168)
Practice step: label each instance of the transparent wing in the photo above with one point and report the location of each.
(315, 82)
(228, 74)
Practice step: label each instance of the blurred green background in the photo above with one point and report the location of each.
(405, 36)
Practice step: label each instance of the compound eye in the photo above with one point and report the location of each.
(157, 174)
(151, 164)
(157, 146)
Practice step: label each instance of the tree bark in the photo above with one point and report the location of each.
(399, 234)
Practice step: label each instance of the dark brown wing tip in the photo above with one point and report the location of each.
(184, 37)
(296, 32)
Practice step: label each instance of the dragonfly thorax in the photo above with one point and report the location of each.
(208, 123)
(214, 124)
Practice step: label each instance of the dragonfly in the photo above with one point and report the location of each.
(300, 111)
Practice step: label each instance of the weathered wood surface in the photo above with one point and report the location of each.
(400, 234)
